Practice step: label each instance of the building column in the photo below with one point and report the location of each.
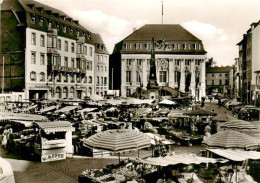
(171, 73)
(182, 82)
(192, 83)
(202, 79)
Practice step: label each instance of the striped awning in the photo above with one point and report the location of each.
(186, 159)
(118, 140)
(66, 109)
(236, 155)
(55, 126)
(238, 124)
(231, 139)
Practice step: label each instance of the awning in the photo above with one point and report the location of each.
(87, 110)
(55, 126)
(186, 159)
(22, 117)
(48, 109)
(66, 109)
(236, 155)
(167, 102)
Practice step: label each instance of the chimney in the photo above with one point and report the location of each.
(134, 29)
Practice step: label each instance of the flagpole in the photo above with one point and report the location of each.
(162, 11)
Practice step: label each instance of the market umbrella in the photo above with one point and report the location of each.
(231, 139)
(118, 140)
(167, 102)
(200, 112)
(238, 124)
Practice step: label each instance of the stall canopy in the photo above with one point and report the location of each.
(253, 133)
(231, 139)
(55, 126)
(177, 159)
(87, 110)
(200, 112)
(48, 109)
(22, 117)
(167, 102)
(238, 124)
(118, 140)
(66, 109)
(236, 155)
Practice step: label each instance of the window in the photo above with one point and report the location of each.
(89, 79)
(138, 78)
(65, 91)
(78, 79)
(220, 82)
(49, 24)
(105, 80)
(138, 46)
(105, 68)
(85, 49)
(212, 75)
(102, 81)
(41, 21)
(105, 58)
(33, 19)
(59, 78)
(101, 58)
(66, 78)
(71, 90)
(71, 30)
(128, 76)
(197, 62)
(85, 79)
(90, 91)
(77, 33)
(89, 66)
(84, 65)
(42, 76)
(72, 62)
(128, 46)
(98, 57)
(176, 46)
(212, 82)
(64, 28)
(72, 79)
(220, 75)
(128, 92)
(97, 68)
(42, 40)
(187, 62)
(148, 46)
(226, 75)
(128, 61)
(97, 81)
(90, 51)
(33, 58)
(79, 48)
(66, 61)
(176, 76)
(66, 46)
(59, 44)
(186, 46)
(33, 76)
(42, 59)
(72, 47)
(177, 62)
(101, 68)
(197, 46)
(33, 38)
(139, 61)
(162, 76)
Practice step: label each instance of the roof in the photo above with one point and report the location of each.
(96, 39)
(218, 69)
(174, 32)
(55, 126)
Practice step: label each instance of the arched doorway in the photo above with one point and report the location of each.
(65, 92)
(58, 92)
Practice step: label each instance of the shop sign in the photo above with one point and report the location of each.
(53, 157)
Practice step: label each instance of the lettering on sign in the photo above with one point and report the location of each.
(53, 157)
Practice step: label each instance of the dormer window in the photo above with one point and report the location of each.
(148, 46)
(78, 33)
(186, 46)
(71, 30)
(89, 36)
(138, 46)
(41, 21)
(176, 46)
(49, 24)
(33, 19)
(127, 46)
(197, 46)
(84, 33)
(58, 26)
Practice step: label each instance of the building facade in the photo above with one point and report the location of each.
(101, 66)
(46, 53)
(249, 56)
(179, 57)
(219, 81)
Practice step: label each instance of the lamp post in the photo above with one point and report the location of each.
(3, 76)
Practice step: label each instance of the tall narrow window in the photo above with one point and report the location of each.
(128, 76)
(66, 46)
(176, 76)
(73, 62)
(72, 47)
(186, 46)
(105, 80)
(138, 78)
(33, 38)
(127, 46)
(97, 80)
(41, 21)
(33, 19)
(85, 49)
(197, 62)
(139, 61)
(197, 46)
(33, 58)
(59, 44)
(42, 41)
(42, 76)
(90, 51)
(162, 76)
(33, 76)
(128, 61)
(128, 92)
(177, 62)
(187, 62)
(42, 59)
(66, 61)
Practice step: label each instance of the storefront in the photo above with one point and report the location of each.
(53, 140)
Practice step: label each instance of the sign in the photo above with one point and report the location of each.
(53, 157)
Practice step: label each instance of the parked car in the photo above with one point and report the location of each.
(232, 104)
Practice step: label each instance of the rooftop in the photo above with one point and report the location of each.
(218, 69)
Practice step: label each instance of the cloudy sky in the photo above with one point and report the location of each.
(220, 24)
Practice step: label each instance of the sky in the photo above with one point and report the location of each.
(220, 24)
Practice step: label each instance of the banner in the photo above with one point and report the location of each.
(53, 157)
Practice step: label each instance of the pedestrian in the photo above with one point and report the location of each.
(219, 102)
